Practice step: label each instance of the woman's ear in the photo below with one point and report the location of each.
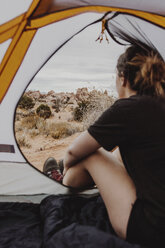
(123, 81)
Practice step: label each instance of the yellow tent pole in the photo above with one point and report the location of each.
(10, 24)
(31, 8)
(8, 34)
(17, 49)
(8, 29)
(57, 16)
(12, 45)
(15, 61)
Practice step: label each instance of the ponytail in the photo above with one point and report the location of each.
(145, 71)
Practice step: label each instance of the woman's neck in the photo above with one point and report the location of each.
(128, 92)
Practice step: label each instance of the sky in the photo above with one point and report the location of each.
(82, 62)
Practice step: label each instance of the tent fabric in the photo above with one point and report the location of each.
(21, 179)
(23, 198)
(137, 31)
(34, 32)
(58, 221)
(50, 6)
(11, 9)
(32, 182)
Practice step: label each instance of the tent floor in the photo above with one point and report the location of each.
(39, 198)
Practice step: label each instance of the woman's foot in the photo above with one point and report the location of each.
(53, 170)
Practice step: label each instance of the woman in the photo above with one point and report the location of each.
(130, 179)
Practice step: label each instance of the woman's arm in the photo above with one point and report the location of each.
(82, 146)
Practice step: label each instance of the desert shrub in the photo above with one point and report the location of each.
(17, 118)
(18, 127)
(79, 111)
(33, 124)
(26, 102)
(59, 130)
(98, 103)
(44, 111)
(90, 108)
(42, 126)
(29, 122)
(33, 132)
(22, 142)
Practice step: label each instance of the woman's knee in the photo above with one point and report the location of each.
(77, 176)
(102, 157)
(92, 159)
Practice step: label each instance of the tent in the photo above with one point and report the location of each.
(31, 31)
(34, 30)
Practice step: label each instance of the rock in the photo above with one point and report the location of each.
(82, 93)
(34, 94)
(66, 100)
(51, 93)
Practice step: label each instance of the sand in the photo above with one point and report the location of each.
(43, 147)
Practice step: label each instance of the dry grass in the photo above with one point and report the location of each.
(63, 129)
(34, 125)
(98, 103)
(22, 141)
(33, 132)
(30, 121)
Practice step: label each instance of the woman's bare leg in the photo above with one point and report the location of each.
(114, 184)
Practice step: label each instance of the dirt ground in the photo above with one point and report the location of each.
(42, 148)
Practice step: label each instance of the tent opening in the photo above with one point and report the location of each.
(68, 94)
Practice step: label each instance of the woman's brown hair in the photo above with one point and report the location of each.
(144, 69)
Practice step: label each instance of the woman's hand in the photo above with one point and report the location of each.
(82, 146)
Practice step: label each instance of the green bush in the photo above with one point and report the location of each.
(44, 111)
(26, 102)
(80, 110)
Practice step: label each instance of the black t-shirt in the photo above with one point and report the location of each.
(137, 125)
